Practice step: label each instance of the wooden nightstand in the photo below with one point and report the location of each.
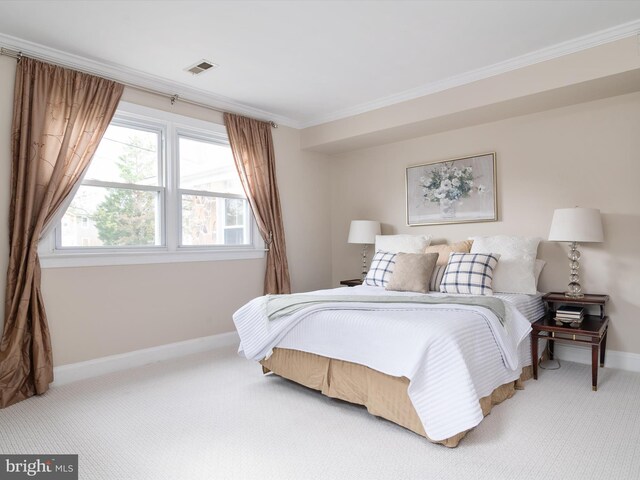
(592, 331)
(352, 283)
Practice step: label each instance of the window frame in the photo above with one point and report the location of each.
(147, 125)
(180, 192)
(170, 126)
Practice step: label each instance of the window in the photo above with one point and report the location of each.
(122, 192)
(211, 196)
(160, 187)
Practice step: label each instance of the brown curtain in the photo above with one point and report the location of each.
(252, 148)
(59, 117)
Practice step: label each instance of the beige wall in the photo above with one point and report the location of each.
(585, 155)
(304, 182)
(99, 311)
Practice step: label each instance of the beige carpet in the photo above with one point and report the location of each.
(214, 416)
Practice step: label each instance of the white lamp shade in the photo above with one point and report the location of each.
(576, 225)
(363, 231)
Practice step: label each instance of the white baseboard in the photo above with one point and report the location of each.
(613, 359)
(114, 363)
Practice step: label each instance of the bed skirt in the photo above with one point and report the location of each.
(383, 395)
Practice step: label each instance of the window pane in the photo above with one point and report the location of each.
(126, 155)
(234, 211)
(114, 217)
(234, 236)
(204, 221)
(207, 166)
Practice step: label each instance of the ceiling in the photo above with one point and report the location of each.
(308, 62)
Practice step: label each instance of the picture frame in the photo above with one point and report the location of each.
(460, 190)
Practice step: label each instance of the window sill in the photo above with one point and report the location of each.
(69, 260)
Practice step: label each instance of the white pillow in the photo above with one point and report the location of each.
(402, 243)
(515, 273)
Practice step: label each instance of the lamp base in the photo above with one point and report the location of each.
(364, 262)
(575, 289)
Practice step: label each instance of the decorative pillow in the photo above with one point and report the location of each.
(436, 277)
(469, 273)
(445, 250)
(412, 272)
(381, 269)
(402, 243)
(516, 271)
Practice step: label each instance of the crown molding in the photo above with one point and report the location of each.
(168, 88)
(565, 48)
(135, 77)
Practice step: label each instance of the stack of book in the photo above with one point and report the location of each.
(569, 314)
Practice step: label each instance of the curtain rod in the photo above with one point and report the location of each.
(173, 98)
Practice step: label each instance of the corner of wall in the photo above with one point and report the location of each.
(304, 186)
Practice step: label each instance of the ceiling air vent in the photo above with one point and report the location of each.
(201, 66)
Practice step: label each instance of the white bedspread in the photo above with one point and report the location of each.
(452, 354)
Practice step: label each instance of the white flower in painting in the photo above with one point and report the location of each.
(446, 183)
(482, 189)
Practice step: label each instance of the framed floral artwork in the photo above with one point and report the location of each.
(452, 191)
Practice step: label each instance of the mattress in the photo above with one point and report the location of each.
(531, 306)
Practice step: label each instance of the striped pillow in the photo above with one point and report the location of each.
(381, 269)
(470, 273)
(436, 278)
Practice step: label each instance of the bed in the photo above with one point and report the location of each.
(436, 369)
(434, 363)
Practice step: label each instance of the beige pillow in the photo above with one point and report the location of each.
(412, 272)
(443, 251)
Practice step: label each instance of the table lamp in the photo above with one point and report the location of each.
(364, 232)
(576, 225)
